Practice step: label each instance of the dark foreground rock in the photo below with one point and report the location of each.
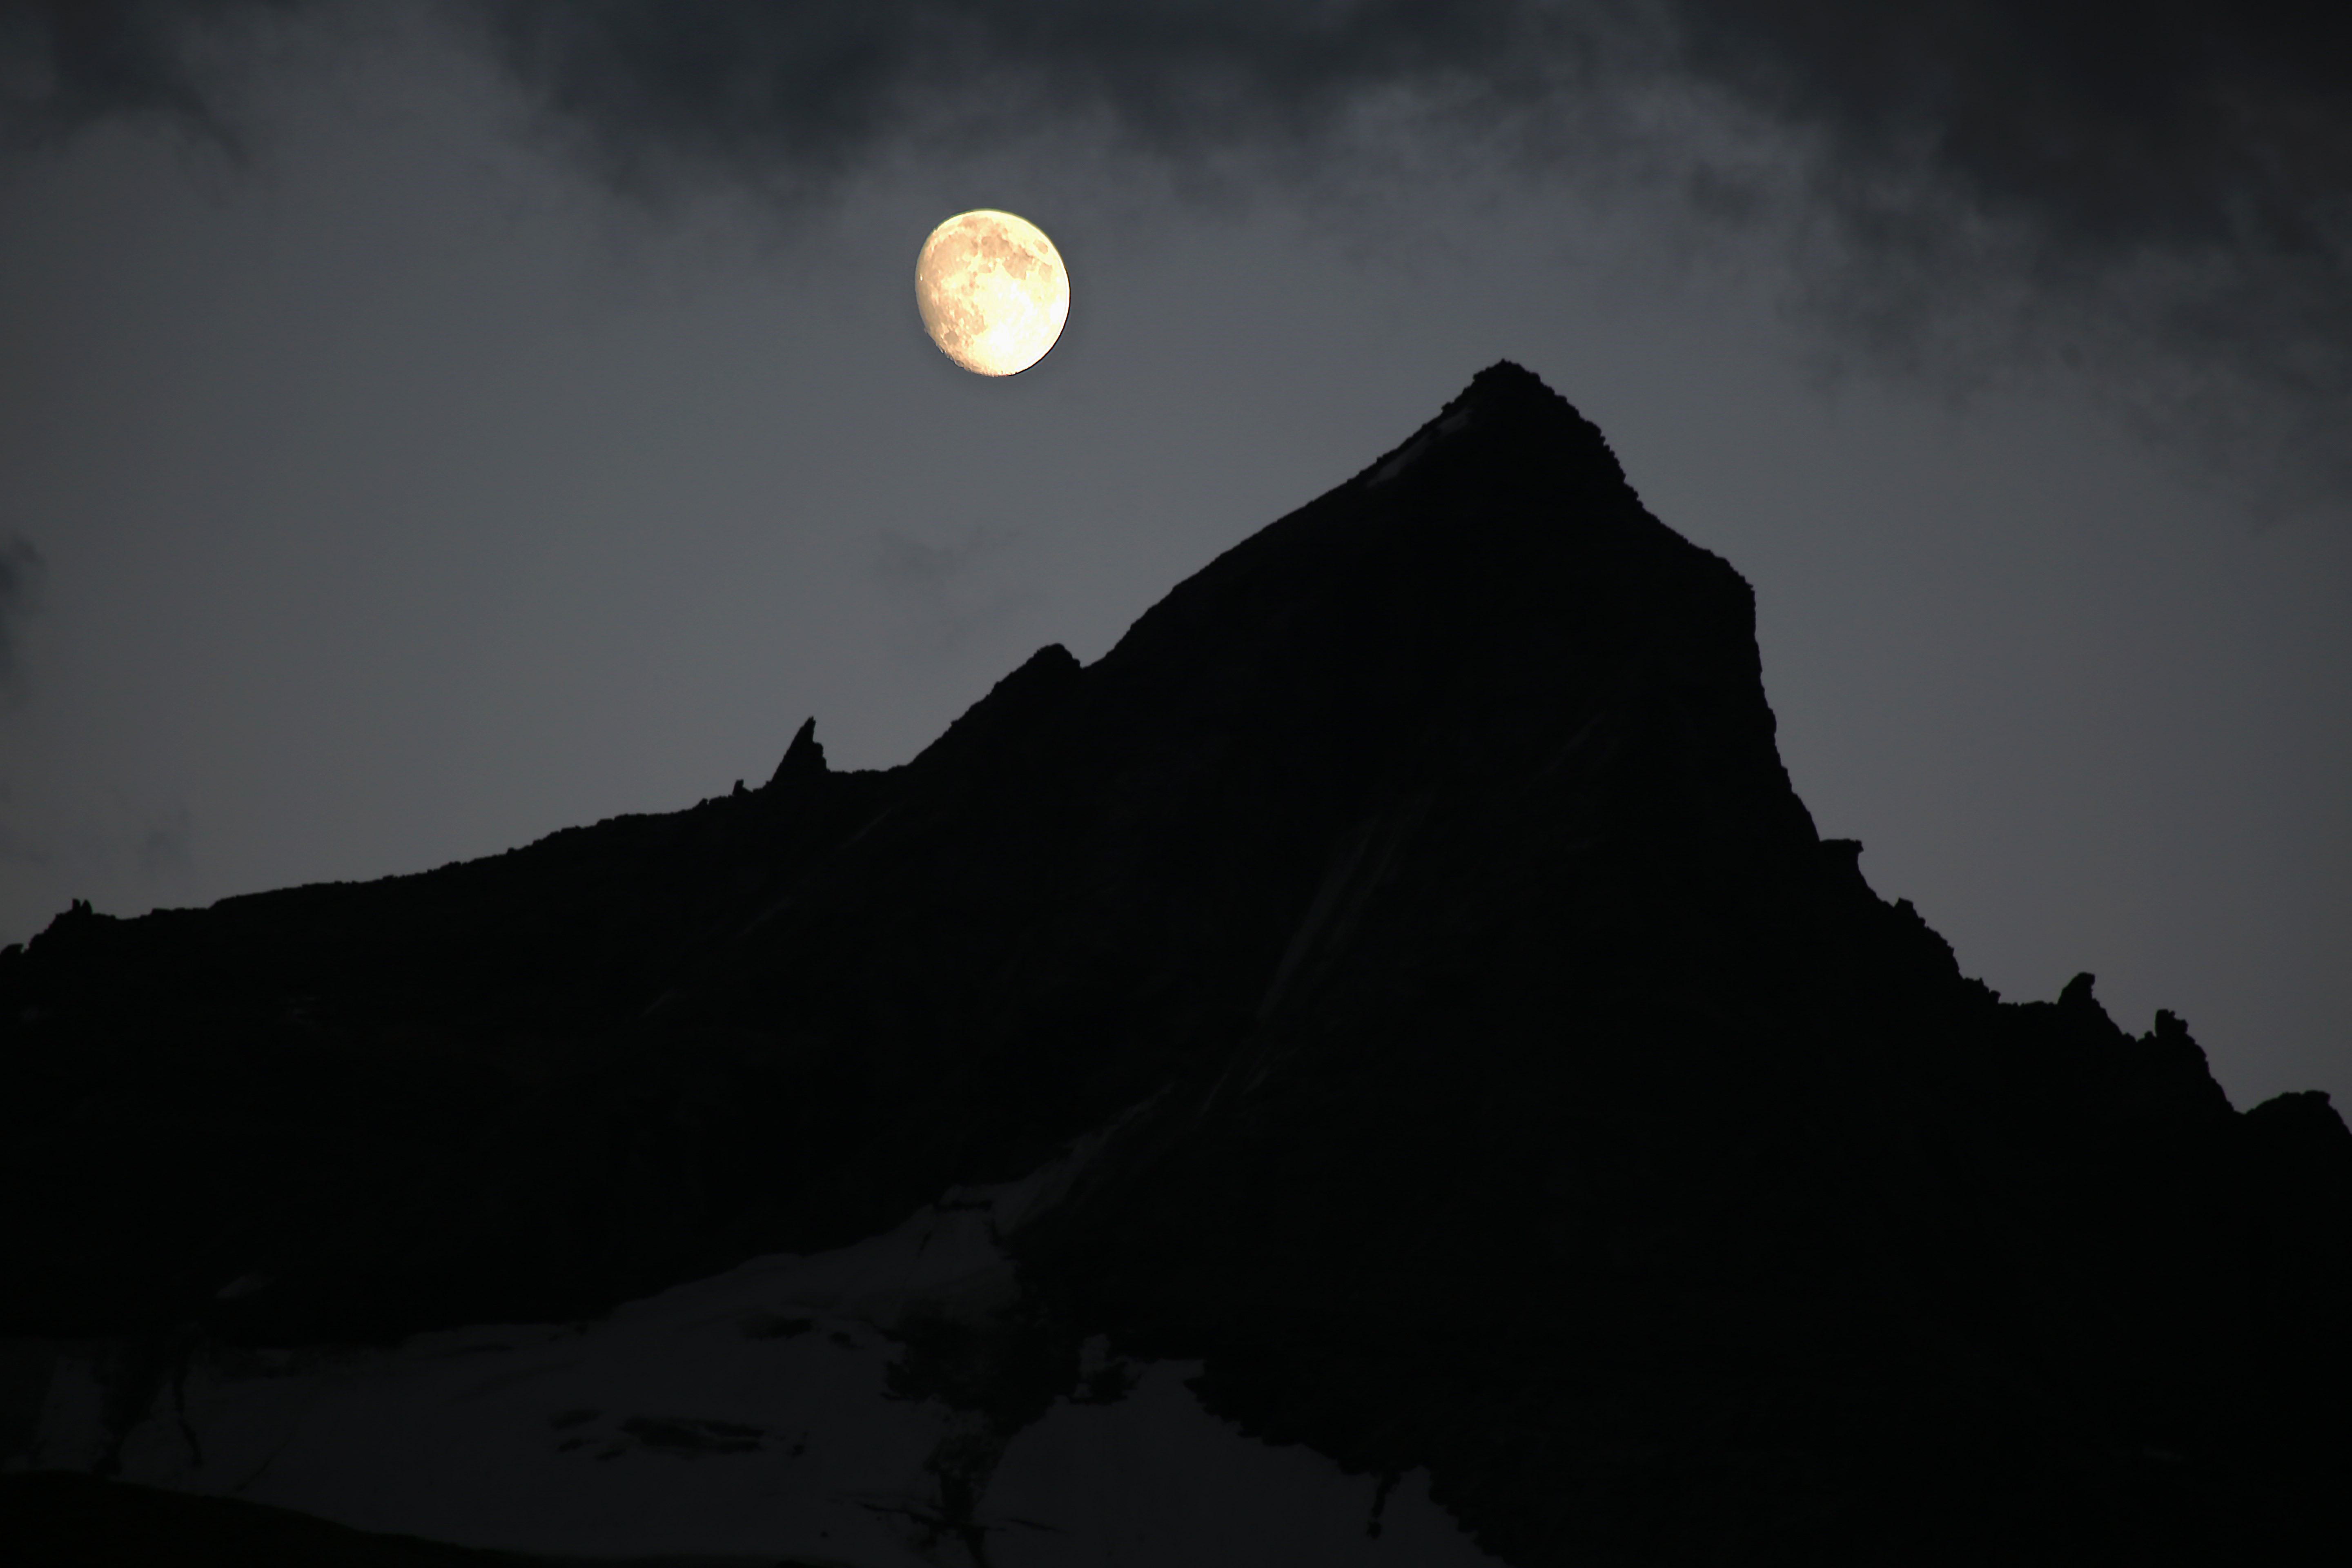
(1528, 1093)
(58, 1520)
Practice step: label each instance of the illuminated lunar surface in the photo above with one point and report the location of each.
(992, 291)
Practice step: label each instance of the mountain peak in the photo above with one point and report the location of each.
(1508, 382)
(1483, 1064)
(1520, 420)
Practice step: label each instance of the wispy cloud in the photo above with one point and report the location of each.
(954, 589)
(21, 572)
(163, 847)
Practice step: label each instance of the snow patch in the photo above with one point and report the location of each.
(753, 1414)
(1419, 445)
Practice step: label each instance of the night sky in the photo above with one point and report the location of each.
(419, 434)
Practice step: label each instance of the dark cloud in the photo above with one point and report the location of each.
(1996, 176)
(21, 569)
(2175, 177)
(2109, 127)
(811, 88)
(65, 64)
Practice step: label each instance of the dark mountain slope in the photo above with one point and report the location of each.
(1529, 1091)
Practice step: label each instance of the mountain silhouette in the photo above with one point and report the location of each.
(1483, 1065)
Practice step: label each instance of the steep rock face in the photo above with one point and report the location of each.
(1528, 1093)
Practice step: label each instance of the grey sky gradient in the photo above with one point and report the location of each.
(1956, 185)
(438, 433)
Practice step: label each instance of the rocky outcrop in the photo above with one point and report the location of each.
(1517, 1086)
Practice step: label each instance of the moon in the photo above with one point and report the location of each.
(993, 291)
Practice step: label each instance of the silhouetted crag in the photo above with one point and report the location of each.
(1531, 1093)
